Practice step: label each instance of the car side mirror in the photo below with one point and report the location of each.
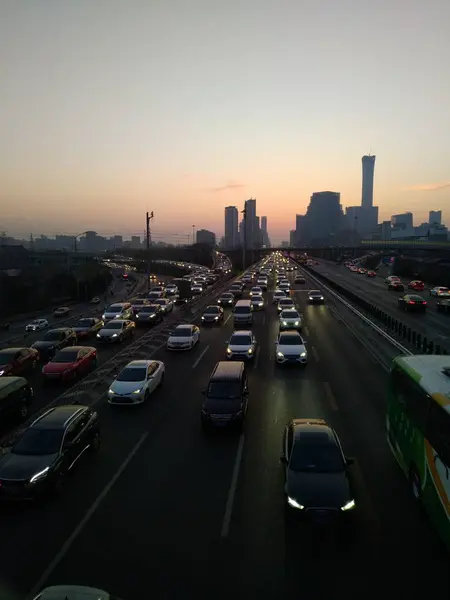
(349, 462)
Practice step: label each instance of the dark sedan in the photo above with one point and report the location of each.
(87, 327)
(212, 314)
(17, 361)
(443, 306)
(149, 316)
(315, 297)
(53, 340)
(317, 479)
(396, 286)
(412, 302)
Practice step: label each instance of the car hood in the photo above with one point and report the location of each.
(291, 319)
(181, 340)
(291, 348)
(18, 466)
(44, 344)
(222, 407)
(54, 367)
(109, 332)
(82, 329)
(320, 490)
(126, 387)
(239, 348)
(110, 315)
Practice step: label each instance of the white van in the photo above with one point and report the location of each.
(243, 312)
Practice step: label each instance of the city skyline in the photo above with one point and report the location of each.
(93, 134)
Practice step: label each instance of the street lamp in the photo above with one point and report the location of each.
(244, 237)
(193, 234)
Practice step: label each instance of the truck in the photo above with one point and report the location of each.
(184, 290)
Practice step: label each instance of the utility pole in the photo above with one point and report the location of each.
(149, 217)
(244, 237)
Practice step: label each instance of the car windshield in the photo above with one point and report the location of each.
(184, 332)
(227, 296)
(211, 310)
(132, 374)
(40, 442)
(6, 357)
(35, 322)
(220, 390)
(257, 298)
(65, 357)
(242, 310)
(161, 301)
(290, 340)
(116, 325)
(115, 308)
(316, 458)
(315, 293)
(52, 336)
(416, 298)
(289, 314)
(85, 323)
(286, 302)
(240, 340)
(149, 309)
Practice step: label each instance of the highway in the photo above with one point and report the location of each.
(164, 512)
(434, 325)
(17, 329)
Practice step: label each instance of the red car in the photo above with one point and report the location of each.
(371, 273)
(419, 286)
(70, 363)
(17, 361)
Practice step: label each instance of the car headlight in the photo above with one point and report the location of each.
(114, 335)
(303, 354)
(137, 391)
(41, 475)
(229, 351)
(98, 335)
(103, 316)
(348, 506)
(321, 297)
(137, 315)
(284, 323)
(260, 303)
(111, 391)
(203, 318)
(280, 355)
(310, 298)
(2, 373)
(216, 318)
(294, 503)
(297, 323)
(250, 351)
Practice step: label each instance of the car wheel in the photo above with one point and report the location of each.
(24, 410)
(96, 442)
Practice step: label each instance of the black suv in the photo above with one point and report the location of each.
(53, 340)
(16, 395)
(149, 315)
(47, 450)
(226, 397)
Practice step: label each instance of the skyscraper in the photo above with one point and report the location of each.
(435, 216)
(251, 235)
(231, 227)
(264, 234)
(368, 168)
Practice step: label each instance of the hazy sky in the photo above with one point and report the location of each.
(109, 108)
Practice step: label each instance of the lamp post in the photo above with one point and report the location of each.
(149, 217)
(193, 234)
(244, 237)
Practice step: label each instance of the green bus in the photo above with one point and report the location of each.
(418, 431)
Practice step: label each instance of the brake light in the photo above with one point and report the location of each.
(424, 302)
(411, 302)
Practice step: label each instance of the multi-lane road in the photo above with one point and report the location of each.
(434, 325)
(164, 512)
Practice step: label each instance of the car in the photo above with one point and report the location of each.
(166, 305)
(226, 299)
(183, 337)
(116, 331)
(73, 592)
(47, 451)
(396, 285)
(284, 286)
(17, 361)
(412, 302)
(171, 289)
(138, 304)
(236, 290)
(299, 279)
(371, 273)
(212, 314)
(262, 282)
(257, 302)
(290, 318)
(152, 296)
(120, 310)
(70, 363)
(54, 340)
(16, 396)
(317, 482)
(256, 291)
(95, 300)
(391, 278)
(285, 303)
(226, 397)
(362, 271)
(62, 311)
(290, 347)
(440, 292)
(277, 296)
(241, 345)
(136, 382)
(150, 315)
(416, 285)
(315, 297)
(159, 288)
(196, 290)
(87, 326)
(443, 305)
(37, 325)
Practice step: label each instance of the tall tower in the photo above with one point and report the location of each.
(250, 223)
(231, 227)
(368, 168)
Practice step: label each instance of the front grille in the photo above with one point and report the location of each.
(292, 356)
(221, 417)
(122, 400)
(12, 487)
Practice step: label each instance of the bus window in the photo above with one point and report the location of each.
(438, 432)
(415, 401)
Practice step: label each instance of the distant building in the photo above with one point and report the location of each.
(135, 242)
(368, 168)
(324, 218)
(435, 217)
(206, 237)
(231, 227)
(402, 221)
(265, 240)
(301, 224)
(292, 237)
(252, 233)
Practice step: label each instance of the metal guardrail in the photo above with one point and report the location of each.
(95, 385)
(417, 342)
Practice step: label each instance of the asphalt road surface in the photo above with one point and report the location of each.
(17, 328)
(164, 512)
(432, 324)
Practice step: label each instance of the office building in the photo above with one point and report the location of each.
(265, 241)
(324, 218)
(206, 237)
(435, 217)
(231, 227)
(402, 221)
(301, 230)
(368, 168)
(251, 224)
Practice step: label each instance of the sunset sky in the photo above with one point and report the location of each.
(109, 108)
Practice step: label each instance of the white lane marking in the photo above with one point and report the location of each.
(84, 521)
(232, 491)
(315, 353)
(306, 330)
(202, 354)
(264, 320)
(256, 359)
(228, 318)
(330, 396)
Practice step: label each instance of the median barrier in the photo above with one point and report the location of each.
(393, 326)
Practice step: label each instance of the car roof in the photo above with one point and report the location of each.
(227, 370)
(242, 332)
(8, 380)
(73, 592)
(76, 348)
(59, 329)
(315, 292)
(139, 364)
(313, 431)
(58, 416)
(185, 326)
(290, 334)
(12, 350)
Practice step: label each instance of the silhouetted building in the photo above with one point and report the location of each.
(435, 217)
(206, 237)
(231, 227)
(324, 218)
(368, 168)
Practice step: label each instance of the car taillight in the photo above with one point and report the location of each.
(411, 302)
(424, 302)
